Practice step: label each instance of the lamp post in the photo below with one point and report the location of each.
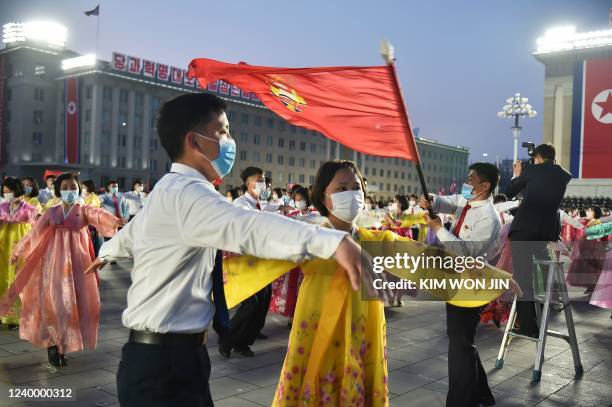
(515, 107)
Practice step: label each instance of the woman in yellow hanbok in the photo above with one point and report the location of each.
(337, 347)
(16, 218)
(30, 193)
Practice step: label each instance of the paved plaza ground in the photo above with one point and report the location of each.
(417, 360)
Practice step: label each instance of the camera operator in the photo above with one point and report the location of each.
(536, 223)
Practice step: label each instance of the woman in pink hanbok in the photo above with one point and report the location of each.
(60, 304)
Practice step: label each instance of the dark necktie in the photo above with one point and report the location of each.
(459, 223)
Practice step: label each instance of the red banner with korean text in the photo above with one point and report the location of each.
(72, 121)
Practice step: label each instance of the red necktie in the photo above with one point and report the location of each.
(258, 206)
(459, 223)
(117, 212)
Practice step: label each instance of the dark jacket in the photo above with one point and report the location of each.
(543, 187)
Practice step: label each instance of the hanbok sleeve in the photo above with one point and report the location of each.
(411, 219)
(246, 275)
(104, 222)
(29, 242)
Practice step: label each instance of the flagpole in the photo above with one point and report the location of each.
(97, 31)
(387, 54)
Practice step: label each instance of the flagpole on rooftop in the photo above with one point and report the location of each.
(387, 52)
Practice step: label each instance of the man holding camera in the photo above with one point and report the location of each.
(536, 223)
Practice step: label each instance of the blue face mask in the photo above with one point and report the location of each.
(69, 197)
(264, 195)
(227, 154)
(27, 190)
(114, 190)
(467, 191)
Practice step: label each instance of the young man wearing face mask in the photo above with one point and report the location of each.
(174, 242)
(114, 201)
(475, 232)
(48, 193)
(250, 318)
(135, 199)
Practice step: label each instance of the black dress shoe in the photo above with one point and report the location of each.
(247, 352)
(13, 327)
(262, 336)
(54, 356)
(224, 351)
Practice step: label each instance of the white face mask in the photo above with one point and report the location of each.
(275, 197)
(368, 207)
(9, 197)
(138, 189)
(393, 207)
(260, 187)
(301, 205)
(347, 205)
(412, 203)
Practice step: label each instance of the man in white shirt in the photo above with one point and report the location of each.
(173, 243)
(47, 194)
(250, 318)
(135, 198)
(475, 232)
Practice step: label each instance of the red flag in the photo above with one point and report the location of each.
(359, 107)
(72, 121)
(597, 119)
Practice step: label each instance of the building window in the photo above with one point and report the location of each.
(281, 142)
(139, 99)
(311, 179)
(313, 148)
(37, 116)
(301, 179)
(281, 125)
(270, 123)
(256, 139)
(123, 96)
(302, 146)
(39, 71)
(269, 158)
(256, 156)
(243, 155)
(292, 129)
(291, 161)
(88, 92)
(302, 162)
(291, 145)
(373, 171)
(313, 163)
(257, 121)
(39, 94)
(245, 118)
(37, 138)
(269, 141)
(388, 187)
(395, 175)
(380, 186)
(231, 115)
(366, 170)
(289, 177)
(280, 160)
(268, 174)
(122, 162)
(88, 115)
(107, 93)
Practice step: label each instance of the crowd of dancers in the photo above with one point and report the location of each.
(52, 243)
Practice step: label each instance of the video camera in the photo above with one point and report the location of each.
(530, 152)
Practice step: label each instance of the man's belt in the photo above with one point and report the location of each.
(168, 339)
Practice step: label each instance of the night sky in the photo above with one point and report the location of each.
(458, 60)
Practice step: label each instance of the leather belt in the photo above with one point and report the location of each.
(168, 339)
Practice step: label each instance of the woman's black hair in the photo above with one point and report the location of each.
(66, 176)
(279, 192)
(14, 185)
(35, 187)
(403, 202)
(324, 176)
(234, 193)
(597, 212)
(305, 194)
(89, 184)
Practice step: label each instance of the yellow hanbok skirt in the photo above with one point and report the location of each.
(10, 235)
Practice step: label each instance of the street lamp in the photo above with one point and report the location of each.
(515, 107)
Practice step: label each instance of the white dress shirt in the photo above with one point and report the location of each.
(247, 201)
(135, 201)
(174, 240)
(480, 231)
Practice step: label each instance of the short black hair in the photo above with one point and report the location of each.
(136, 182)
(66, 176)
(110, 181)
(324, 176)
(182, 114)
(50, 176)
(403, 202)
(486, 172)
(233, 192)
(305, 193)
(250, 171)
(14, 185)
(546, 151)
(278, 192)
(35, 187)
(597, 212)
(89, 184)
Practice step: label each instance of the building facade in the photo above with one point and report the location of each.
(63, 111)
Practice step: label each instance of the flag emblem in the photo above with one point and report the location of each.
(288, 96)
(602, 106)
(71, 108)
